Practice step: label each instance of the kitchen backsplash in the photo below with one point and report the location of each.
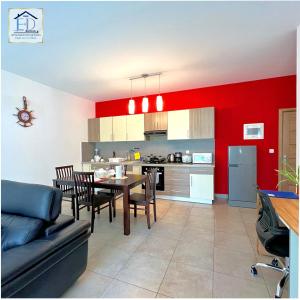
(157, 146)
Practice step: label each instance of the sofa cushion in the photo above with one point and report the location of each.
(30, 200)
(18, 230)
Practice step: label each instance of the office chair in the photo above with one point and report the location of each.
(275, 239)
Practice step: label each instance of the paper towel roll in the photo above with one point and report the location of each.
(119, 172)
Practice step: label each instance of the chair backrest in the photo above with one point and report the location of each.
(64, 172)
(268, 219)
(152, 173)
(84, 187)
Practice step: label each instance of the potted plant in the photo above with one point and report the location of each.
(289, 174)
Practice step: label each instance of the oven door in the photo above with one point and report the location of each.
(160, 177)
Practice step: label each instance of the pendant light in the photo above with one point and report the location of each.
(131, 103)
(145, 101)
(159, 99)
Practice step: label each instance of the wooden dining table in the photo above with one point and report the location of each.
(124, 185)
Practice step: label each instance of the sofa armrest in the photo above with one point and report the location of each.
(20, 259)
(61, 222)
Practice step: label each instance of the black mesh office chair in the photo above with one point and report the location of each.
(274, 238)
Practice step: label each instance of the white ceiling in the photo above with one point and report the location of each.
(91, 48)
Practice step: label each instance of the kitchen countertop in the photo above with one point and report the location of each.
(140, 163)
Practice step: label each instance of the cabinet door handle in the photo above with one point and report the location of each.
(191, 180)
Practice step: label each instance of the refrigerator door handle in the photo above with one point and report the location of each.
(233, 165)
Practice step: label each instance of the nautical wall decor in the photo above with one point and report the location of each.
(24, 115)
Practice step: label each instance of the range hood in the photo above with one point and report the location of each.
(155, 132)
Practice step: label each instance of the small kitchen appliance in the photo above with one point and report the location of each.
(153, 159)
(187, 158)
(178, 157)
(202, 158)
(171, 158)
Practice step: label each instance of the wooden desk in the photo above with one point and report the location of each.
(288, 212)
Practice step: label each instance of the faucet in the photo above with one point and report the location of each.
(114, 153)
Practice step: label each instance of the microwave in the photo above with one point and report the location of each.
(202, 158)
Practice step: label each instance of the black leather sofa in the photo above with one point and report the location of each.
(42, 252)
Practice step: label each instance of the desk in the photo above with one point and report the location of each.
(288, 212)
(123, 185)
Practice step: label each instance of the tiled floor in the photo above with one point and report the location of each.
(192, 251)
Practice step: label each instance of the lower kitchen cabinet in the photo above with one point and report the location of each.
(202, 188)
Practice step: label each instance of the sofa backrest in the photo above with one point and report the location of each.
(30, 200)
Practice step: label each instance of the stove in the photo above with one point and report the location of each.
(155, 159)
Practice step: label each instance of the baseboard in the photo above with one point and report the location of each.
(221, 196)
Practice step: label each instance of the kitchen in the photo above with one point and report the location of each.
(158, 140)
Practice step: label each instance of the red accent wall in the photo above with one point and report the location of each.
(235, 104)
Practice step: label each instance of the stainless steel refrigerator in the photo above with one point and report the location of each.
(242, 176)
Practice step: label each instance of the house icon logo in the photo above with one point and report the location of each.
(25, 22)
(25, 25)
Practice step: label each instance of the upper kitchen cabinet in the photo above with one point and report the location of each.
(202, 123)
(135, 127)
(94, 130)
(156, 121)
(119, 128)
(178, 124)
(106, 129)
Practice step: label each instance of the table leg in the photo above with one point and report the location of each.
(126, 211)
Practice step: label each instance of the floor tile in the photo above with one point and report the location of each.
(174, 219)
(184, 281)
(235, 242)
(196, 234)
(158, 295)
(199, 222)
(225, 286)
(158, 247)
(89, 285)
(196, 253)
(119, 289)
(144, 271)
(235, 264)
(108, 261)
(166, 230)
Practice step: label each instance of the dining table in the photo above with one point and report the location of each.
(124, 185)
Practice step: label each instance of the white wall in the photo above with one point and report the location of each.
(31, 154)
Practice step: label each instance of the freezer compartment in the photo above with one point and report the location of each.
(242, 155)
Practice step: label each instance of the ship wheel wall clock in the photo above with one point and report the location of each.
(24, 115)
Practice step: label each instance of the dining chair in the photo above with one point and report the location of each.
(147, 198)
(68, 191)
(86, 196)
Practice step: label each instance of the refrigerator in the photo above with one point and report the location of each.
(242, 176)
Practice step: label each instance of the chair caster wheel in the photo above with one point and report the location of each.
(275, 262)
(253, 271)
